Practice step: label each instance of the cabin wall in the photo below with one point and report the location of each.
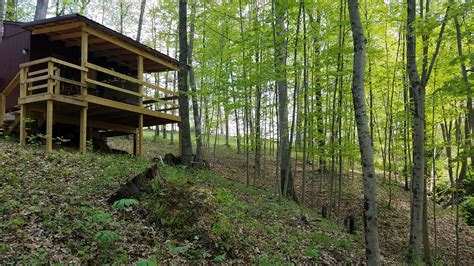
(14, 41)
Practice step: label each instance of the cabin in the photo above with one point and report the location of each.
(71, 76)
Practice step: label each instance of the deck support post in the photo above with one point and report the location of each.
(23, 124)
(135, 143)
(83, 131)
(140, 103)
(3, 106)
(49, 126)
(140, 135)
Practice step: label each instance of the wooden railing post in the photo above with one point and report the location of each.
(50, 78)
(84, 59)
(57, 86)
(23, 74)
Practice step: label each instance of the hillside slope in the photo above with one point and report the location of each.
(393, 222)
(54, 209)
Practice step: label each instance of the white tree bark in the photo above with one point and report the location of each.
(365, 142)
(1, 21)
(41, 9)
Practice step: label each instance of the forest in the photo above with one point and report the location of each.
(349, 117)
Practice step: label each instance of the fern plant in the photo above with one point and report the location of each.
(124, 203)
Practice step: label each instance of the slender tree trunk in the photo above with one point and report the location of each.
(140, 19)
(367, 160)
(1, 22)
(192, 82)
(184, 128)
(418, 95)
(280, 44)
(470, 120)
(305, 105)
(41, 9)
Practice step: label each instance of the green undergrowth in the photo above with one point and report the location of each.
(206, 217)
(53, 208)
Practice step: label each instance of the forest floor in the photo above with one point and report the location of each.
(54, 208)
(394, 220)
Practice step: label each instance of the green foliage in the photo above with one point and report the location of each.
(146, 262)
(467, 210)
(106, 237)
(124, 203)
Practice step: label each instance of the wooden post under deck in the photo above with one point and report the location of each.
(140, 103)
(22, 124)
(135, 143)
(3, 105)
(83, 111)
(83, 131)
(49, 126)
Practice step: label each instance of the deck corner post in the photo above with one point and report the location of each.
(49, 126)
(140, 135)
(22, 124)
(140, 78)
(135, 143)
(83, 131)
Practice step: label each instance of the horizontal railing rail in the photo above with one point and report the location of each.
(46, 76)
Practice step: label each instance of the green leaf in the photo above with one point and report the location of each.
(124, 203)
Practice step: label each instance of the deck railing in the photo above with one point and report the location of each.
(5, 93)
(54, 76)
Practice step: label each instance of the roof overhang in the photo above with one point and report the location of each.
(103, 42)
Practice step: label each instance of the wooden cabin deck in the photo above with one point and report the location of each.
(53, 90)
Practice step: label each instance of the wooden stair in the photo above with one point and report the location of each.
(11, 122)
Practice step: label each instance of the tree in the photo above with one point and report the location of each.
(192, 81)
(1, 21)
(184, 127)
(417, 94)
(41, 9)
(280, 44)
(140, 20)
(365, 141)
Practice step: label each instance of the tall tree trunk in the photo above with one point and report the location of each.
(41, 9)
(184, 128)
(470, 121)
(1, 22)
(196, 114)
(280, 43)
(417, 94)
(305, 105)
(365, 143)
(140, 20)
